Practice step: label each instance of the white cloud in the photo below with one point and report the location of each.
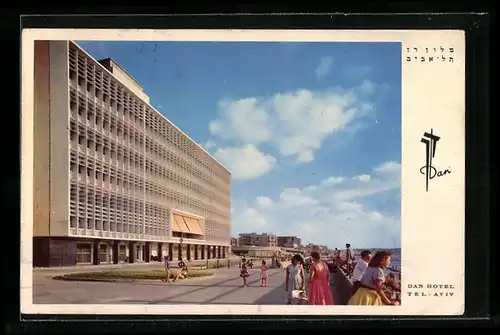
(324, 67)
(294, 197)
(264, 202)
(249, 217)
(357, 72)
(245, 162)
(209, 144)
(245, 118)
(294, 123)
(335, 211)
(388, 167)
(332, 180)
(363, 177)
(376, 216)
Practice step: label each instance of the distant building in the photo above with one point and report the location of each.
(259, 240)
(322, 249)
(288, 241)
(234, 242)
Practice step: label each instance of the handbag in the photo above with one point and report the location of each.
(299, 297)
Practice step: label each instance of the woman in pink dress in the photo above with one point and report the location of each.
(319, 291)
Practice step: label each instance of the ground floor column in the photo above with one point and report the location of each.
(224, 252)
(132, 252)
(214, 251)
(219, 252)
(179, 252)
(170, 252)
(209, 254)
(160, 252)
(147, 252)
(116, 252)
(96, 259)
(202, 249)
(196, 252)
(188, 252)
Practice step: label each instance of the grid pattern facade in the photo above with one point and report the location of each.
(130, 166)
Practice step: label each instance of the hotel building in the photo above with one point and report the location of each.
(114, 180)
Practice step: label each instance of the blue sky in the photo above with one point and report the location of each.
(310, 131)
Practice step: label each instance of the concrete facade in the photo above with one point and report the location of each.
(257, 252)
(114, 180)
(289, 241)
(258, 240)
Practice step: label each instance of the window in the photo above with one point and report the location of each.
(72, 222)
(83, 252)
(103, 253)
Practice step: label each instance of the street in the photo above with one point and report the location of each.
(223, 288)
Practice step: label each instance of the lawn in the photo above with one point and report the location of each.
(129, 275)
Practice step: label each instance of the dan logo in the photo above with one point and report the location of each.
(428, 170)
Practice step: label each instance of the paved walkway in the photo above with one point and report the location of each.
(223, 288)
(130, 266)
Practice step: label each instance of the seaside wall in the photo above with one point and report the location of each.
(341, 287)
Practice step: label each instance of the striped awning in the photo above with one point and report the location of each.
(194, 225)
(185, 224)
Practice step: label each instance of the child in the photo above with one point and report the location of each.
(244, 274)
(263, 274)
(167, 270)
(295, 278)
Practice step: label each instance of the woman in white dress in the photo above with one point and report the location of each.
(295, 277)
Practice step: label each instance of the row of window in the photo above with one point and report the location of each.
(111, 226)
(84, 253)
(150, 169)
(161, 190)
(148, 191)
(94, 79)
(86, 202)
(123, 152)
(160, 194)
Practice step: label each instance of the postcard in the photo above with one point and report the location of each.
(243, 172)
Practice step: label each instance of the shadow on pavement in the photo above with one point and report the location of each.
(249, 283)
(173, 302)
(274, 297)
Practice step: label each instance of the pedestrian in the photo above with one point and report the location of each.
(319, 292)
(182, 273)
(244, 274)
(295, 279)
(360, 268)
(263, 274)
(371, 291)
(167, 269)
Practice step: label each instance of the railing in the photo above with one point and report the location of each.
(391, 288)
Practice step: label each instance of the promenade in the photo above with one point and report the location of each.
(222, 288)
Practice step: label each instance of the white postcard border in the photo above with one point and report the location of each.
(433, 234)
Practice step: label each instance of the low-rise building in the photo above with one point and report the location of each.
(288, 241)
(260, 240)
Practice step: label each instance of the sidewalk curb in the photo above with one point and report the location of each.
(124, 280)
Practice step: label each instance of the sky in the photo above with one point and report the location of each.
(311, 132)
